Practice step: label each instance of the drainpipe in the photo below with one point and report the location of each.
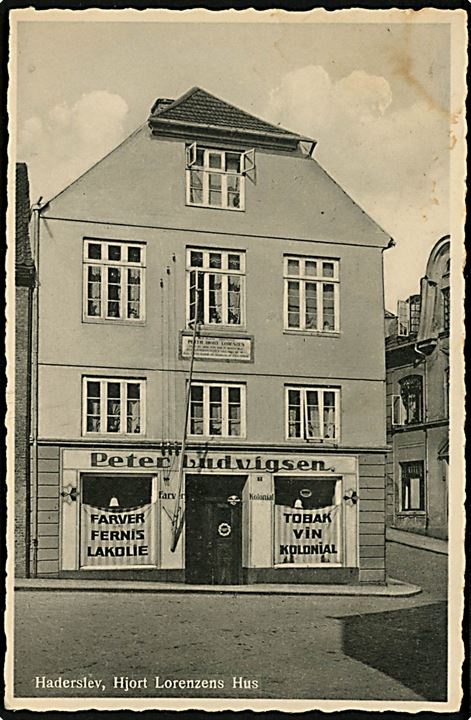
(26, 447)
(32, 508)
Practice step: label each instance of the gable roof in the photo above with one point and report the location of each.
(198, 109)
(23, 256)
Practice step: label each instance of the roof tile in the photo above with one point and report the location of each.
(200, 107)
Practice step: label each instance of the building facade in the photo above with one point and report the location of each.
(417, 362)
(24, 289)
(206, 409)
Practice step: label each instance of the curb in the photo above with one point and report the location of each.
(394, 588)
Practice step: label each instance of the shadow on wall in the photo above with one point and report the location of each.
(408, 645)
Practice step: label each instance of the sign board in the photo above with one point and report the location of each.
(218, 348)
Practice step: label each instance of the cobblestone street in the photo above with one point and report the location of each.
(292, 647)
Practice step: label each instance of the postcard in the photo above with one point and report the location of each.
(235, 360)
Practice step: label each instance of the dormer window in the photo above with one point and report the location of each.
(216, 178)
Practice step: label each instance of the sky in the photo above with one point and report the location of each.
(374, 95)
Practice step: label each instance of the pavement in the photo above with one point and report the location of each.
(418, 541)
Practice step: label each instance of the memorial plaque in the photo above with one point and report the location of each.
(237, 349)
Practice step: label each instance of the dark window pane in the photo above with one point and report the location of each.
(215, 260)
(134, 254)
(93, 389)
(114, 252)
(94, 251)
(196, 259)
(133, 390)
(328, 269)
(233, 162)
(215, 394)
(113, 390)
(234, 395)
(197, 393)
(234, 262)
(215, 160)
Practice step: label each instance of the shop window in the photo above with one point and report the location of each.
(113, 406)
(216, 287)
(117, 521)
(113, 281)
(312, 413)
(446, 309)
(216, 178)
(412, 486)
(311, 294)
(308, 521)
(407, 407)
(217, 410)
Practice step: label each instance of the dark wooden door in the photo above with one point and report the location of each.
(213, 542)
(226, 530)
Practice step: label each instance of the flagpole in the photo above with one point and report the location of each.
(177, 519)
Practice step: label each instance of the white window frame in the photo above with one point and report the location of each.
(421, 479)
(225, 272)
(303, 404)
(225, 410)
(247, 164)
(399, 410)
(124, 266)
(403, 318)
(103, 405)
(319, 280)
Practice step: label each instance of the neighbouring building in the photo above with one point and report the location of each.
(417, 363)
(24, 287)
(211, 392)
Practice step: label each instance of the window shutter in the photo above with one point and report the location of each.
(403, 318)
(247, 161)
(397, 410)
(191, 155)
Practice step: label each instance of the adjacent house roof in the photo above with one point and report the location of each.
(24, 264)
(199, 109)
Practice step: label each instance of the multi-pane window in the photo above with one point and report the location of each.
(113, 406)
(446, 309)
(412, 486)
(113, 280)
(215, 286)
(311, 294)
(407, 407)
(217, 409)
(312, 413)
(216, 178)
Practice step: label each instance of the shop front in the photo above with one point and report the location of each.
(245, 517)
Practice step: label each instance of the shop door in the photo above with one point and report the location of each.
(213, 538)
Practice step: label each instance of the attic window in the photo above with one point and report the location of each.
(216, 178)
